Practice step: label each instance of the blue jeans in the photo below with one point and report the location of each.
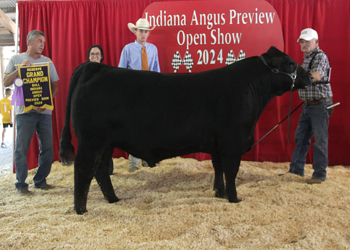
(313, 121)
(26, 124)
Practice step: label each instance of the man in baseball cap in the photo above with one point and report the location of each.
(314, 118)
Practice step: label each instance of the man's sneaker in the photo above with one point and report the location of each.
(132, 169)
(3, 145)
(314, 180)
(45, 187)
(144, 164)
(24, 191)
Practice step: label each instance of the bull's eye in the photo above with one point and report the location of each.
(291, 66)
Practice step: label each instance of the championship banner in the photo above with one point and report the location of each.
(193, 36)
(36, 86)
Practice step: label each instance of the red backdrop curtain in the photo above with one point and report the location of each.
(71, 27)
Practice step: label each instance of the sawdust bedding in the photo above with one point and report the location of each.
(172, 206)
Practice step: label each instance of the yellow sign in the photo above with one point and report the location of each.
(36, 86)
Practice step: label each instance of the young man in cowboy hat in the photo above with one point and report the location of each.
(139, 55)
(314, 118)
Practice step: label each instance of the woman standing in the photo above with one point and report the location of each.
(95, 54)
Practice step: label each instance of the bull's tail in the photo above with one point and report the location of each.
(66, 152)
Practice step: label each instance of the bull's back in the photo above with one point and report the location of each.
(140, 93)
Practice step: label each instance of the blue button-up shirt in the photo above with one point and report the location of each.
(131, 57)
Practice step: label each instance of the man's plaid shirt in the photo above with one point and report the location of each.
(320, 65)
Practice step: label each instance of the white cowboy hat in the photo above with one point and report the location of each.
(141, 24)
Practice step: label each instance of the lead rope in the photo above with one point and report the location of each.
(293, 76)
(278, 124)
(289, 113)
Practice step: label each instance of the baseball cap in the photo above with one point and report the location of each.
(308, 34)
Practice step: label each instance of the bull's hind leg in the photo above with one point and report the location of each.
(84, 171)
(103, 178)
(230, 165)
(219, 185)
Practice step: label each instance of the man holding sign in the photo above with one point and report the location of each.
(37, 119)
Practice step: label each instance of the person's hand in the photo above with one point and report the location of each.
(38, 109)
(27, 62)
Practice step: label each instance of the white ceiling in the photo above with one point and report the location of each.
(8, 7)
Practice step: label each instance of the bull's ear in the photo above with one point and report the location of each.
(276, 62)
(272, 50)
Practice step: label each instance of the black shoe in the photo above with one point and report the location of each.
(45, 187)
(24, 191)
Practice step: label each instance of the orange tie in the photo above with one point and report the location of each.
(144, 58)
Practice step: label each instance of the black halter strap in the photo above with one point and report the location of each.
(292, 76)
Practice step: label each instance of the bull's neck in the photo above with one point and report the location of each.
(264, 89)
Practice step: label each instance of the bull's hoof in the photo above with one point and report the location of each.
(234, 200)
(220, 194)
(113, 200)
(80, 210)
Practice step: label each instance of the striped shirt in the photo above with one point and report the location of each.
(321, 65)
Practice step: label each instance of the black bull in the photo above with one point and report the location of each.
(155, 116)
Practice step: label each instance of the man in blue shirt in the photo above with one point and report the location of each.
(139, 55)
(314, 119)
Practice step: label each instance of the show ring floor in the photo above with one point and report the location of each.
(6, 154)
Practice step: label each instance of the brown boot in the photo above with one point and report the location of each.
(314, 180)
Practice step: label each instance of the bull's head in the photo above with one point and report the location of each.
(280, 63)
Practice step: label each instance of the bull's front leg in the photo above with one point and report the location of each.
(231, 165)
(219, 185)
(104, 180)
